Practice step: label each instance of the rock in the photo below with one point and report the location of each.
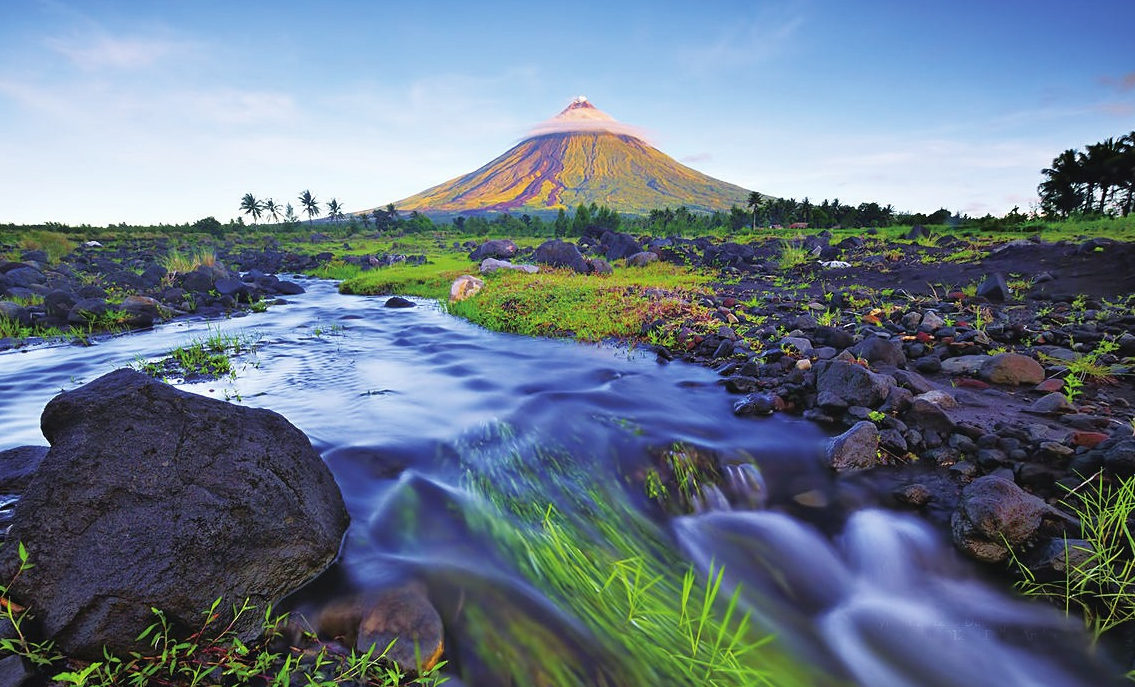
(25, 276)
(143, 311)
(465, 286)
(58, 303)
(932, 321)
(14, 672)
(994, 289)
(235, 287)
(995, 514)
(855, 449)
(1055, 559)
(755, 404)
(18, 466)
(288, 288)
(398, 302)
(492, 265)
(938, 397)
(916, 495)
(855, 384)
(927, 414)
(1012, 368)
(1052, 404)
(87, 310)
(600, 266)
(875, 349)
(833, 336)
(405, 614)
(617, 246)
(502, 249)
(642, 259)
(561, 254)
(14, 313)
(155, 497)
(1120, 458)
(375, 619)
(965, 364)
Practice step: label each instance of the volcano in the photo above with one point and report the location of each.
(582, 155)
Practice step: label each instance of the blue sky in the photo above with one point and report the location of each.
(168, 111)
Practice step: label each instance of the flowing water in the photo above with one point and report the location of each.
(458, 450)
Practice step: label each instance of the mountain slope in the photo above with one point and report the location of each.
(580, 156)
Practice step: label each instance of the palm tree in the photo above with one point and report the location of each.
(249, 205)
(273, 209)
(334, 210)
(310, 205)
(1062, 192)
(754, 204)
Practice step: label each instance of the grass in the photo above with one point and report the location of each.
(623, 305)
(1099, 576)
(176, 262)
(431, 280)
(793, 255)
(208, 357)
(53, 243)
(211, 654)
(607, 567)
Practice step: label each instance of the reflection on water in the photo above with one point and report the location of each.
(462, 455)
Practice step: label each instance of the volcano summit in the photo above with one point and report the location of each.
(582, 155)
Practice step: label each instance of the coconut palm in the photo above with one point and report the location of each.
(273, 209)
(1062, 192)
(310, 205)
(754, 204)
(249, 205)
(334, 210)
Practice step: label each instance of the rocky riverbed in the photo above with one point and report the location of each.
(941, 370)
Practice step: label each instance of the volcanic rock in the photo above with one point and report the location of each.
(155, 497)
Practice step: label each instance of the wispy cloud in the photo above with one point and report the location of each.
(743, 44)
(1123, 84)
(101, 51)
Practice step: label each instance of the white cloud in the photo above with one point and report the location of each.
(93, 53)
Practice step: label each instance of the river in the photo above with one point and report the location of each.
(458, 450)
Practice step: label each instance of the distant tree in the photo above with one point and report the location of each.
(561, 225)
(334, 210)
(273, 209)
(581, 219)
(310, 205)
(754, 204)
(249, 205)
(209, 225)
(290, 214)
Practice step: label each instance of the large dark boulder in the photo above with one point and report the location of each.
(617, 245)
(561, 254)
(502, 249)
(155, 497)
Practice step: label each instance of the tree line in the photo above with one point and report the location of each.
(1096, 181)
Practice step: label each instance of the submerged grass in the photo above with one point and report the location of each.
(657, 621)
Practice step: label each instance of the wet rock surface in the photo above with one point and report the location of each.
(155, 497)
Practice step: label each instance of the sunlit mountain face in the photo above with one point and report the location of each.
(582, 155)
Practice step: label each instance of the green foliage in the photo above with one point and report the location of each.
(55, 244)
(207, 357)
(793, 255)
(1087, 368)
(175, 262)
(1098, 576)
(337, 270)
(559, 302)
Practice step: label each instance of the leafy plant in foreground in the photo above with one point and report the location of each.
(1099, 570)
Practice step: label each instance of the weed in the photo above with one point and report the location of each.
(1098, 571)
(211, 654)
(53, 243)
(793, 255)
(176, 262)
